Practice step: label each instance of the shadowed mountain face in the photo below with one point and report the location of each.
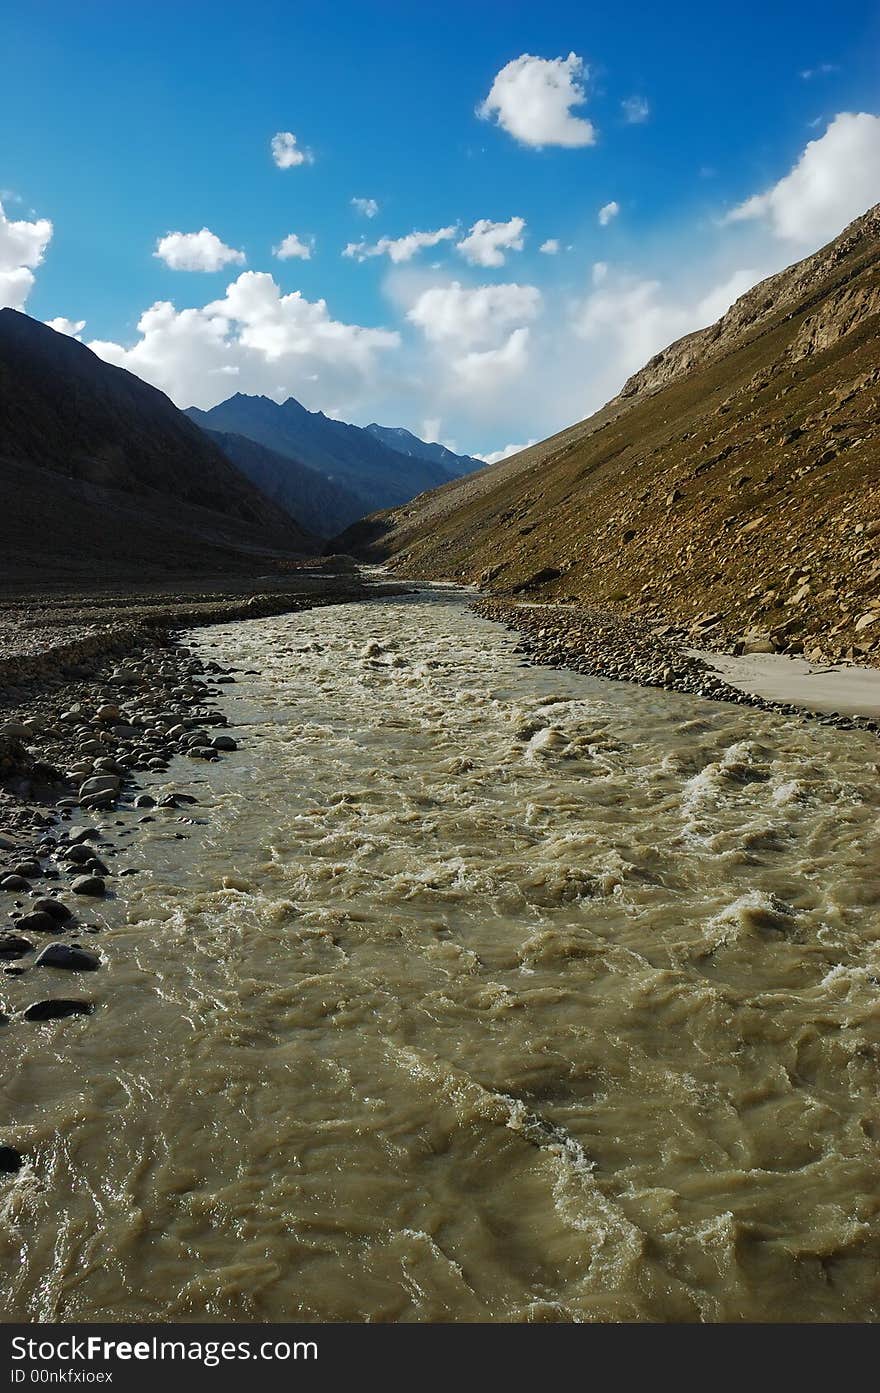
(323, 507)
(103, 474)
(737, 473)
(362, 469)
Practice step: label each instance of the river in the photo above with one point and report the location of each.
(469, 990)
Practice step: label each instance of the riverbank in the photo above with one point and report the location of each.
(603, 643)
(96, 693)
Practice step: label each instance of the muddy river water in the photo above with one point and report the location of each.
(472, 990)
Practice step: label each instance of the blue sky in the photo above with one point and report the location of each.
(121, 124)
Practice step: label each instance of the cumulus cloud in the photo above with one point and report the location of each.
(286, 153)
(22, 247)
(294, 246)
(635, 110)
(399, 249)
(473, 316)
(550, 247)
(267, 342)
(483, 371)
(505, 452)
(72, 327)
(196, 251)
(487, 242)
(607, 212)
(630, 318)
(532, 99)
(367, 207)
(836, 178)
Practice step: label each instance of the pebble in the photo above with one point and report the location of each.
(13, 883)
(99, 783)
(14, 946)
(85, 834)
(47, 905)
(69, 956)
(78, 855)
(88, 885)
(38, 922)
(57, 1009)
(27, 869)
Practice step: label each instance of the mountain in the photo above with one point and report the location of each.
(366, 473)
(734, 481)
(103, 475)
(405, 443)
(322, 507)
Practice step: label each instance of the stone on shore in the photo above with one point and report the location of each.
(100, 783)
(13, 883)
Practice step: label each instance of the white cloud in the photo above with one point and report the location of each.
(487, 242)
(367, 207)
(635, 110)
(73, 327)
(717, 301)
(472, 317)
(15, 287)
(483, 371)
(607, 212)
(399, 249)
(531, 98)
(494, 456)
(550, 247)
(599, 272)
(293, 246)
(836, 178)
(268, 342)
(629, 318)
(286, 153)
(22, 247)
(196, 251)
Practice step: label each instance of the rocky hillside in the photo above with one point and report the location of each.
(733, 486)
(103, 475)
(363, 468)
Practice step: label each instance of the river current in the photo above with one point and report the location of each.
(469, 990)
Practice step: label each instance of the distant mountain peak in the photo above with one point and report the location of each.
(370, 468)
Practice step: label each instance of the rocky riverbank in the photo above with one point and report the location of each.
(95, 695)
(624, 648)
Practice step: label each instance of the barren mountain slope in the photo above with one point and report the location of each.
(736, 476)
(102, 475)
